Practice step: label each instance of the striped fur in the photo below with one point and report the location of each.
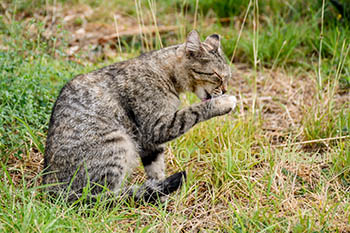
(105, 121)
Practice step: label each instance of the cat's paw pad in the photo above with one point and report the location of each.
(227, 101)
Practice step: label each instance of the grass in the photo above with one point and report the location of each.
(280, 163)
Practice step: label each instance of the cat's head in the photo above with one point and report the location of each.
(206, 66)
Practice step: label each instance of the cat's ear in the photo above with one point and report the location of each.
(193, 43)
(213, 41)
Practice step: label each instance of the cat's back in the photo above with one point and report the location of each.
(85, 108)
(92, 93)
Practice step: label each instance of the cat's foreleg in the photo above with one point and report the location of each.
(171, 126)
(154, 164)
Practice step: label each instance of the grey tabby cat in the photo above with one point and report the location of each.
(103, 122)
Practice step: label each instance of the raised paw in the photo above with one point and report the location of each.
(226, 102)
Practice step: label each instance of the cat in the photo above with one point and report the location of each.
(105, 121)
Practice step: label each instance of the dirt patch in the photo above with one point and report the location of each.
(282, 100)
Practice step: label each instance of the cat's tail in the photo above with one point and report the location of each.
(152, 190)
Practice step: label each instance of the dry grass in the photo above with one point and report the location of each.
(281, 99)
(247, 172)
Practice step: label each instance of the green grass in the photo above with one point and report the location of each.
(250, 171)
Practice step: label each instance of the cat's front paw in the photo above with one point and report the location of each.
(226, 102)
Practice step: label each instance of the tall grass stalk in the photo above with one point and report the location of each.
(153, 7)
(277, 56)
(195, 15)
(334, 83)
(240, 31)
(255, 51)
(256, 33)
(319, 76)
(183, 20)
(117, 31)
(141, 24)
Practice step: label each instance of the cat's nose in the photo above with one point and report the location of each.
(224, 88)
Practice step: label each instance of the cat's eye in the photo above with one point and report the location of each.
(210, 74)
(202, 73)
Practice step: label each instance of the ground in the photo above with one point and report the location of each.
(279, 163)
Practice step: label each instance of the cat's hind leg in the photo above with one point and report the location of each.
(157, 186)
(153, 162)
(113, 160)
